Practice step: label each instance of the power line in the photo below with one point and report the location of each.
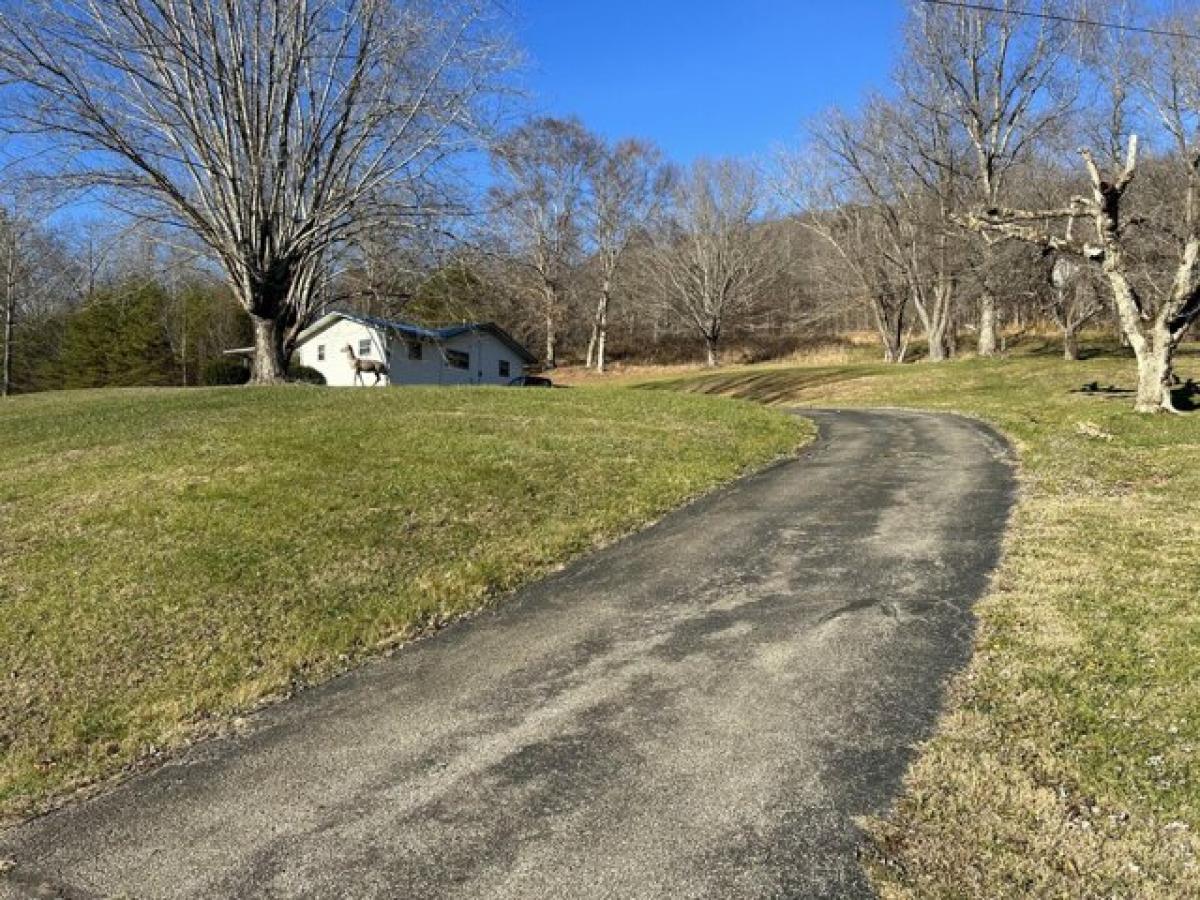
(1053, 17)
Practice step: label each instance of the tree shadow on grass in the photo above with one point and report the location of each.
(1185, 397)
(1103, 391)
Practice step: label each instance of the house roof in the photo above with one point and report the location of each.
(417, 332)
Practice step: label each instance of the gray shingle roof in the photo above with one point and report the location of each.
(418, 332)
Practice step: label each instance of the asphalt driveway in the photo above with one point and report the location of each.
(700, 710)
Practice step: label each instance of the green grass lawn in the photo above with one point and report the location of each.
(1068, 764)
(171, 557)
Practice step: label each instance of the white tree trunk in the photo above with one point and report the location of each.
(936, 314)
(936, 337)
(597, 340)
(1155, 375)
(987, 324)
(550, 360)
(1152, 343)
(602, 330)
(591, 350)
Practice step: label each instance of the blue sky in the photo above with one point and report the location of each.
(704, 77)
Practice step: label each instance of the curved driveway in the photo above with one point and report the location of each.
(700, 710)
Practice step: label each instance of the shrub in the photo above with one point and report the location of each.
(223, 370)
(306, 375)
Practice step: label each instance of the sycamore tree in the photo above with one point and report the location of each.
(276, 131)
(1109, 223)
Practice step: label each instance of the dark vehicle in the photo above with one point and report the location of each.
(531, 381)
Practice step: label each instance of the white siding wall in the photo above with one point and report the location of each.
(485, 352)
(336, 365)
(426, 370)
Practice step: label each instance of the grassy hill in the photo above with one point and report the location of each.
(171, 557)
(1067, 765)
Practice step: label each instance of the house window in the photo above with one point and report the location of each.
(504, 368)
(457, 359)
(364, 347)
(320, 351)
(414, 349)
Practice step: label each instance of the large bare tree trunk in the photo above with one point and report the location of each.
(280, 304)
(937, 343)
(1153, 344)
(1155, 377)
(1153, 335)
(269, 364)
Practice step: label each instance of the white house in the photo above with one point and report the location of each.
(479, 353)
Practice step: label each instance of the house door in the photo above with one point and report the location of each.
(477, 361)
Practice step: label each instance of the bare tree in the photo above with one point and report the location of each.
(275, 130)
(379, 274)
(858, 235)
(888, 177)
(543, 169)
(998, 70)
(629, 184)
(1075, 303)
(712, 257)
(1154, 326)
(1153, 317)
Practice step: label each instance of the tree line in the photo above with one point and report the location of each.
(126, 318)
(312, 155)
(1001, 160)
